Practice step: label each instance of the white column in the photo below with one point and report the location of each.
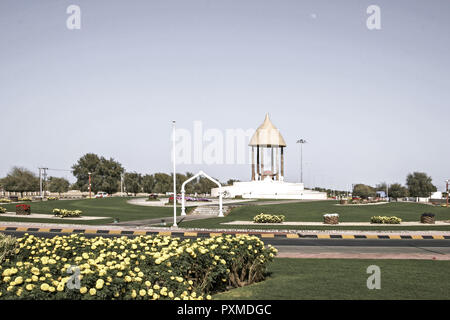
(183, 209)
(174, 178)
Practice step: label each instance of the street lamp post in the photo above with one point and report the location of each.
(121, 184)
(174, 177)
(301, 142)
(89, 173)
(446, 183)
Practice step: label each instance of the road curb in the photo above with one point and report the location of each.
(195, 234)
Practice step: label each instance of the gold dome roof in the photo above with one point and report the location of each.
(267, 135)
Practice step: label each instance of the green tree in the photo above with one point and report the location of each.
(420, 184)
(59, 185)
(133, 182)
(396, 190)
(381, 187)
(231, 181)
(21, 180)
(163, 183)
(148, 183)
(363, 191)
(105, 173)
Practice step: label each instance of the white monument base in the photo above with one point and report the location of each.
(269, 189)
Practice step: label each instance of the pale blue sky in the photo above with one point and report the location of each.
(373, 105)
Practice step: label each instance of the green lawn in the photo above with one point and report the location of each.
(108, 207)
(313, 211)
(346, 279)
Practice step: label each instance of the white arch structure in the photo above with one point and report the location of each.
(183, 191)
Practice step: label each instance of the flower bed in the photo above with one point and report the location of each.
(23, 209)
(52, 198)
(145, 267)
(385, 220)
(64, 213)
(2, 210)
(268, 218)
(4, 200)
(25, 199)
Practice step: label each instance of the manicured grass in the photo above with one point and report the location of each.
(108, 207)
(346, 279)
(313, 212)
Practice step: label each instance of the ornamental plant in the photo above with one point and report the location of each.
(8, 246)
(25, 199)
(4, 200)
(64, 213)
(385, 220)
(268, 218)
(2, 210)
(143, 268)
(23, 209)
(52, 198)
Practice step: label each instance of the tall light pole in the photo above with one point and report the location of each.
(174, 177)
(301, 142)
(121, 184)
(89, 173)
(446, 183)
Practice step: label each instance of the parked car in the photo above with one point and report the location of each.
(101, 195)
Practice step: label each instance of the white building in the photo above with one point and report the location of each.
(268, 182)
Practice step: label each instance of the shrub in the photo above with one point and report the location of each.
(64, 213)
(4, 200)
(52, 198)
(385, 220)
(2, 210)
(25, 199)
(268, 218)
(145, 267)
(8, 246)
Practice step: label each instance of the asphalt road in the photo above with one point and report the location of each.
(297, 242)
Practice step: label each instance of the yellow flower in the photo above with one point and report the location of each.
(29, 287)
(45, 287)
(18, 280)
(83, 290)
(142, 292)
(99, 284)
(208, 297)
(133, 294)
(92, 291)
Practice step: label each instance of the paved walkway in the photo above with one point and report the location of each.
(163, 221)
(341, 224)
(49, 216)
(347, 234)
(359, 252)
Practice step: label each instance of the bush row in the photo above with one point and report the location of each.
(63, 213)
(385, 220)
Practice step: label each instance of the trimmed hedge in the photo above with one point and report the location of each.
(385, 220)
(268, 218)
(64, 213)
